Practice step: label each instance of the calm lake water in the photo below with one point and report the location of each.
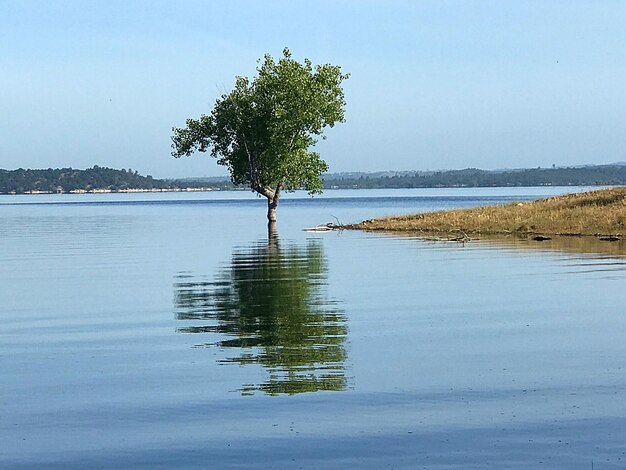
(163, 330)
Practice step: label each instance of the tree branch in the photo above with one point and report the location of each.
(278, 189)
(293, 138)
(253, 172)
(263, 191)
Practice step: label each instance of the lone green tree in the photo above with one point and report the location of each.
(263, 129)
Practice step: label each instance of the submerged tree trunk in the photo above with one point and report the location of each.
(272, 235)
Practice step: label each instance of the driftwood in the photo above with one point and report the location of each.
(325, 227)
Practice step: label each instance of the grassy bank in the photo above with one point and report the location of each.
(601, 212)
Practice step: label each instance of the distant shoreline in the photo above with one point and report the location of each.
(103, 180)
(110, 191)
(239, 189)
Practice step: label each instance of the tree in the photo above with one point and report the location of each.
(262, 130)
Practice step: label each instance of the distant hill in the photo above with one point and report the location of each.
(614, 174)
(102, 179)
(95, 179)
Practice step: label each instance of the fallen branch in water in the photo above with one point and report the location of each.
(325, 228)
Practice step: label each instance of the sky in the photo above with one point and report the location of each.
(434, 84)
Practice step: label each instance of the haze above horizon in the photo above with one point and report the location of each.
(434, 84)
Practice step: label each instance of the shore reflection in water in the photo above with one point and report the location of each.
(270, 307)
(580, 245)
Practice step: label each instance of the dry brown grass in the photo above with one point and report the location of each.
(601, 212)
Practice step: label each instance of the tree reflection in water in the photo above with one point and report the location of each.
(270, 305)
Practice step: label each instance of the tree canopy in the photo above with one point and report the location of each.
(262, 131)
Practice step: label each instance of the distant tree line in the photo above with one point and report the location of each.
(97, 178)
(68, 179)
(65, 180)
(472, 177)
(216, 182)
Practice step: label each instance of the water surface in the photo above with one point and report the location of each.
(147, 331)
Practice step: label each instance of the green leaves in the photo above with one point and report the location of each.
(191, 138)
(263, 128)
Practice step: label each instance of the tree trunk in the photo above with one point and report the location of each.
(272, 235)
(272, 204)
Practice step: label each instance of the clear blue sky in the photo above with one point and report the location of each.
(434, 84)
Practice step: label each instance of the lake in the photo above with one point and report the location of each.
(171, 330)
